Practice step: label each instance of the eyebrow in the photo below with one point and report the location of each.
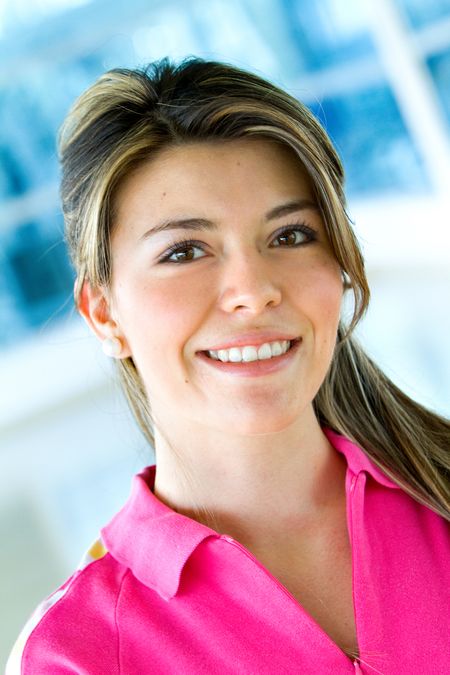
(204, 224)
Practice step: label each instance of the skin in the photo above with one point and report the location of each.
(255, 452)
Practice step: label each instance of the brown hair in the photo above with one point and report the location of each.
(129, 115)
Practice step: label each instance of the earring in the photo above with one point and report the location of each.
(112, 347)
(345, 280)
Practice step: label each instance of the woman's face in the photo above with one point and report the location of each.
(258, 269)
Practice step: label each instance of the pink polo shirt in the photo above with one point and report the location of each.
(162, 593)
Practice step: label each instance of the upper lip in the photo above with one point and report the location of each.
(255, 339)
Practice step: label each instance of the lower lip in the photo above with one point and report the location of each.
(253, 368)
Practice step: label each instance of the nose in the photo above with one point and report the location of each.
(249, 285)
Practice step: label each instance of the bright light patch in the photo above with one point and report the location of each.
(13, 12)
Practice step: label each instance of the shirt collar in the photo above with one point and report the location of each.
(357, 459)
(154, 541)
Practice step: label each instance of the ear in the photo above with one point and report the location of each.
(94, 306)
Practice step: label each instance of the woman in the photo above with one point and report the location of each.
(297, 521)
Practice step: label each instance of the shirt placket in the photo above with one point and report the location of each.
(353, 663)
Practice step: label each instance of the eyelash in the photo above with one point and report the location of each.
(186, 244)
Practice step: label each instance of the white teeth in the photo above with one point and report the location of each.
(250, 353)
(234, 354)
(265, 352)
(277, 348)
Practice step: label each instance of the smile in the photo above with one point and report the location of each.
(282, 355)
(267, 350)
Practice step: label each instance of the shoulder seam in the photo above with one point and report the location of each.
(62, 593)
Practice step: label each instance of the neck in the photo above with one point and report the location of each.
(249, 485)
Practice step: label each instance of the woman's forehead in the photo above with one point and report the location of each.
(253, 171)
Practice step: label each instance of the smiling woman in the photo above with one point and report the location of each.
(265, 266)
(298, 495)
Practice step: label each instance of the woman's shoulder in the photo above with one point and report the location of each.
(73, 630)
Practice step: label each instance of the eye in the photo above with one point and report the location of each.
(295, 235)
(182, 251)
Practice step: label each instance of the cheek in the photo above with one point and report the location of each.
(155, 315)
(330, 297)
(320, 285)
(322, 294)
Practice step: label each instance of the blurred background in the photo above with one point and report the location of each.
(376, 73)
